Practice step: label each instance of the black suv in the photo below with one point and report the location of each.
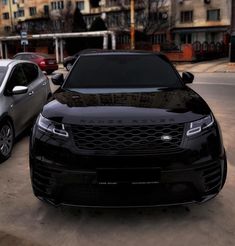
(125, 130)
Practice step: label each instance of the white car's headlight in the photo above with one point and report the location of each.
(51, 126)
(198, 126)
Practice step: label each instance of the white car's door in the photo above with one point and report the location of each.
(37, 86)
(20, 106)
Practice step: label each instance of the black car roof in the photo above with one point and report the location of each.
(115, 52)
(99, 52)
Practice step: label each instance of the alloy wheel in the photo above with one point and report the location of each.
(6, 139)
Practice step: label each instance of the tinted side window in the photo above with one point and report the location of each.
(34, 57)
(18, 57)
(17, 78)
(31, 71)
(3, 71)
(25, 57)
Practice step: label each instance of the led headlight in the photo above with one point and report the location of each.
(51, 126)
(200, 125)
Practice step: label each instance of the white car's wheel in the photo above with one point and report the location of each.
(6, 140)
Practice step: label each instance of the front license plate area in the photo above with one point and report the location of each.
(128, 175)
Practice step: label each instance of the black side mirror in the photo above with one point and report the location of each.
(57, 79)
(187, 77)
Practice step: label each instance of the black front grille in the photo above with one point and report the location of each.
(139, 138)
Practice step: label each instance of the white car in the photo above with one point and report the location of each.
(24, 89)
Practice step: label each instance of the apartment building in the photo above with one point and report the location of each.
(35, 15)
(14, 12)
(169, 23)
(201, 21)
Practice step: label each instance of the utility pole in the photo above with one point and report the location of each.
(232, 42)
(11, 17)
(132, 28)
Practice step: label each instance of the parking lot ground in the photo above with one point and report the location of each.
(24, 220)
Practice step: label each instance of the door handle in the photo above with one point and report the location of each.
(44, 83)
(31, 93)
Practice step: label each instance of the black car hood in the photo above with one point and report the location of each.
(126, 106)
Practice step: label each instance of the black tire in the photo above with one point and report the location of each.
(6, 140)
(49, 72)
(68, 66)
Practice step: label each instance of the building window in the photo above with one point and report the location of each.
(57, 5)
(7, 28)
(186, 38)
(80, 5)
(46, 10)
(5, 16)
(186, 16)
(89, 19)
(159, 38)
(213, 15)
(32, 11)
(60, 4)
(111, 3)
(114, 19)
(94, 3)
(14, 1)
(53, 5)
(21, 13)
(4, 2)
(15, 15)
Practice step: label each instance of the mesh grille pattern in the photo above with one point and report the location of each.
(212, 177)
(139, 138)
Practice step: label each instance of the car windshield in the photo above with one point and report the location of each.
(2, 74)
(122, 71)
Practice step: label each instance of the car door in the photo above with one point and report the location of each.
(37, 86)
(19, 108)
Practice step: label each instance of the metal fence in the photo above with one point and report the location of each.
(205, 50)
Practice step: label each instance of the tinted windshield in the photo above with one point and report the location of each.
(2, 74)
(122, 71)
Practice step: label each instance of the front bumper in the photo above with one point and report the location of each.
(61, 175)
(59, 185)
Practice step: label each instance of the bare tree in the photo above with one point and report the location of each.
(62, 19)
(151, 15)
(156, 15)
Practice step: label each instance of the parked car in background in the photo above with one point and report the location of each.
(24, 89)
(69, 61)
(45, 62)
(124, 129)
